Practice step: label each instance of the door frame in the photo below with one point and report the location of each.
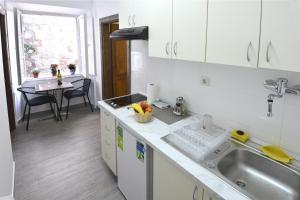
(108, 20)
(7, 71)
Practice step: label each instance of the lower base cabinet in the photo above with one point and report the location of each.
(170, 183)
(108, 140)
(207, 196)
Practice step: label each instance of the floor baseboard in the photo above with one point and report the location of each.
(7, 198)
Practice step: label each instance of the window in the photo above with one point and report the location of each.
(49, 40)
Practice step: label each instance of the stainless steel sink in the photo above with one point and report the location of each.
(257, 176)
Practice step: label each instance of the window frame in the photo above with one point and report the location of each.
(20, 39)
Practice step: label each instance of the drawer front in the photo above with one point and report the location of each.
(107, 121)
(109, 156)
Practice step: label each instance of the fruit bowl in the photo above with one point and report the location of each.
(142, 112)
(143, 118)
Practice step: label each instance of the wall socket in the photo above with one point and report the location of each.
(205, 81)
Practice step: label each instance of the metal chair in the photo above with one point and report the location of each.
(33, 98)
(80, 91)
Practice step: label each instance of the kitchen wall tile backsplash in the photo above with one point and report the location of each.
(235, 97)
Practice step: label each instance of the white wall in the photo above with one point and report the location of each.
(82, 4)
(236, 96)
(6, 158)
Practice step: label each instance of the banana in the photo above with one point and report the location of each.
(137, 107)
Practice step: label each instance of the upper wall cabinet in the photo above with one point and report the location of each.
(189, 29)
(125, 19)
(280, 35)
(233, 32)
(160, 28)
(177, 29)
(133, 13)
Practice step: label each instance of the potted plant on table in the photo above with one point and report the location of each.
(53, 68)
(35, 72)
(72, 68)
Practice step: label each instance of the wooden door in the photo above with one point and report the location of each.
(7, 72)
(107, 81)
(233, 32)
(119, 65)
(280, 35)
(189, 43)
(115, 62)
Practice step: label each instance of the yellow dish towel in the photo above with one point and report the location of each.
(276, 153)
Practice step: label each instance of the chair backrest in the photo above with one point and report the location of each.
(86, 85)
(26, 91)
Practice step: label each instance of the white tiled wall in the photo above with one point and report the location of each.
(235, 97)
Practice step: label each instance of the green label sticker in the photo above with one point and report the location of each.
(140, 151)
(120, 138)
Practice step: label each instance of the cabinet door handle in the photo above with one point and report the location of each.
(194, 193)
(248, 49)
(129, 20)
(167, 48)
(268, 49)
(175, 48)
(133, 20)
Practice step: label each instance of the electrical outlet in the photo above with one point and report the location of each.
(205, 81)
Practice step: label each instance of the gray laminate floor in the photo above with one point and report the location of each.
(62, 160)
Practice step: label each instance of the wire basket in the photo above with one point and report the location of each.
(143, 118)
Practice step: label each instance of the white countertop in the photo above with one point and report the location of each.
(152, 132)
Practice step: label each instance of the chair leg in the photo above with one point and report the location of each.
(68, 109)
(84, 100)
(61, 99)
(90, 103)
(51, 107)
(28, 117)
(24, 112)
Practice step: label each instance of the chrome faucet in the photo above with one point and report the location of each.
(279, 88)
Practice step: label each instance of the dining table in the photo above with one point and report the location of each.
(52, 87)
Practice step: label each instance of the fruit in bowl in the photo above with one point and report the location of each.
(142, 111)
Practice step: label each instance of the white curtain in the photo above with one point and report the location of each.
(18, 102)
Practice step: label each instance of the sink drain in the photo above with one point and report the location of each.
(240, 183)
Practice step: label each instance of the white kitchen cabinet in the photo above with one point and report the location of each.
(233, 32)
(108, 140)
(177, 29)
(280, 35)
(207, 196)
(125, 14)
(133, 13)
(189, 29)
(170, 183)
(160, 28)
